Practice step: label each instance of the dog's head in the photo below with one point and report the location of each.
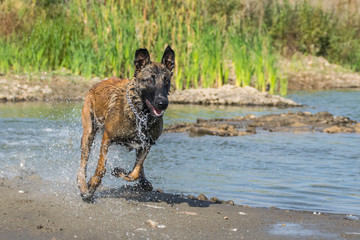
(153, 79)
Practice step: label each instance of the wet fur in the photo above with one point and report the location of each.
(107, 107)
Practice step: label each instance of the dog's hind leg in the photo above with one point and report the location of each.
(89, 131)
(100, 169)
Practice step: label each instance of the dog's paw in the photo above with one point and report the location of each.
(145, 185)
(119, 172)
(87, 197)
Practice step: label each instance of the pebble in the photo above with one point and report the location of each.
(153, 206)
(274, 208)
(352, 217)
(231, 203)
(153, 223)
(140, 229)
(215, 200)
(351, 235)
(188, 213)
(202, 197)
(191, 197)
(21, 191)
(159, 190)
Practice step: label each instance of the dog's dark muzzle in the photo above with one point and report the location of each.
(161, 103)
(157, 109)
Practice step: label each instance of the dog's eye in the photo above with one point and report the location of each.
(149, 80)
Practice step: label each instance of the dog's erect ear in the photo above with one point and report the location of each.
(142, 58)
(168, 58)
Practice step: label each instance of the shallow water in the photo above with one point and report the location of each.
(310, 171)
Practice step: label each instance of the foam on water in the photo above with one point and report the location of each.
(300, 231)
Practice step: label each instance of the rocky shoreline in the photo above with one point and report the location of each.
(303, 73)
(230, 95)
(58, 89)
(297, 122)
(19, 88)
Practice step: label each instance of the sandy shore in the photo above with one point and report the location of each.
(35, 209)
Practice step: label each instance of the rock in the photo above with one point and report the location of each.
(357, 128)
(202, 197)
(352, 217)
(323, 114)
(153, 223)
(34, 177)
(332, 129)
(159, 190)
(251, 130)
(297, 122)
(191, 197)
(215, 200)
(201, 131)
(230, 95)
(230, 202)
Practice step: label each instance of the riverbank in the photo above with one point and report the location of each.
(32, 208)
(55, 88)
(303, 72)
(316, 73)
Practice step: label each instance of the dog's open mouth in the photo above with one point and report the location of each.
(155, 112)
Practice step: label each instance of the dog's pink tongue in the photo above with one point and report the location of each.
(158, 111)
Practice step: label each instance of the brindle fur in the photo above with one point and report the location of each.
(107, 107)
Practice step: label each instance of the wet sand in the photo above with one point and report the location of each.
(35, 209)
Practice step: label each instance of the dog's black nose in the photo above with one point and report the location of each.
(162, 104)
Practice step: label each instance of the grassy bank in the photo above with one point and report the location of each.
(214, 41)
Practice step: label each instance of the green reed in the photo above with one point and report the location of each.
(90, 38)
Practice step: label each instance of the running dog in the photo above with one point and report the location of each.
(130, 113)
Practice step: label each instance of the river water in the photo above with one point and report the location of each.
(308, 171)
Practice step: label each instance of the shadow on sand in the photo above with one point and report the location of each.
(134, 193)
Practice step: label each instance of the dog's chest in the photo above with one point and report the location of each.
(134, 136)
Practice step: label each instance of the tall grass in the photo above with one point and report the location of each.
(91, 38)
(214, 41)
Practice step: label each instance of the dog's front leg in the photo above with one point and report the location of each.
(143, 182)
(138, 170)
(100, 169)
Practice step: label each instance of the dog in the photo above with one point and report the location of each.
(130, 113)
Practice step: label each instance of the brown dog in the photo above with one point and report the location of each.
(130, 113)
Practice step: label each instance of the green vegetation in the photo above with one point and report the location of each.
(214, 40)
